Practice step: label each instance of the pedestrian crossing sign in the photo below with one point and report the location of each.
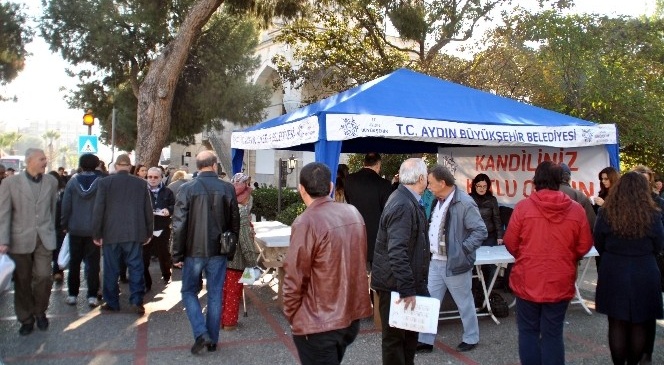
(87, 144)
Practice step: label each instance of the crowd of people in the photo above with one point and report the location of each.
(417, 236)
(420, 239)
(122, 220)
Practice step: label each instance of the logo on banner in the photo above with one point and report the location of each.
(449, 163)
(350, 127)
(587, 135)
(307, 130)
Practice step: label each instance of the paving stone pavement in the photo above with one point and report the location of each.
(80, 335)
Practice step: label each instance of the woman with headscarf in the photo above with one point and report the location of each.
(629, 233)
(245, 256)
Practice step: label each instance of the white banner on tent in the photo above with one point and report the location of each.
(511, 169)
(348, 126)
(281, 136)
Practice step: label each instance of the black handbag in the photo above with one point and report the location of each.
(227, 240)
(228, 244)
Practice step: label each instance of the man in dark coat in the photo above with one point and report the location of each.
(205, 208)
(163, 203)
(368, 192)
(401, 259)
(122, 222)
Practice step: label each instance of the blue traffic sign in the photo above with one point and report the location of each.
(87, 144)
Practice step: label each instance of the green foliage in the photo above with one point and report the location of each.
(8, 140)
(334, 53)
(607, 70)
(337, 49)
(390, 163)
(291, 212)
(114, 50)
(14, 35)
(265, 201)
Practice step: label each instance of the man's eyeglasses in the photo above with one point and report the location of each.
(154, 177)
(481, 186)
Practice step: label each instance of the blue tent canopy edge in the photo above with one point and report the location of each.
(408, 94)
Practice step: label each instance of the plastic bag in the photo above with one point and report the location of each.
(250, 275)
(63, 257)
(7, 267)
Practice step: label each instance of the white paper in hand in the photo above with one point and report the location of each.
(424, 318)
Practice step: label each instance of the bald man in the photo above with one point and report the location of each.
(196, 245)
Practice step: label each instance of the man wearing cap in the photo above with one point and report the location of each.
(368, 192)
(122, 223)
(77, 205)
(577, 195)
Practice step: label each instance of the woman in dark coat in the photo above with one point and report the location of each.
(628, 234)
(480, 190)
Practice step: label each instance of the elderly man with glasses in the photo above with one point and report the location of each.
(163, 203)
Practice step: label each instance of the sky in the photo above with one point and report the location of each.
(39, 86)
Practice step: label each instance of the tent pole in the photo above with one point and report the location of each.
(279, 188)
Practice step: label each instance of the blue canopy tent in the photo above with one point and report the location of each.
(409, 112)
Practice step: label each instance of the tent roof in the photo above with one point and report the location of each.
(433, 99)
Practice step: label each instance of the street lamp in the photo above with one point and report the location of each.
(286, 167)
(89, 120)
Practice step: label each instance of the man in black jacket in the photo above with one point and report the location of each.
(368, 192)
(121, 223)
(205, 208)
(401, 258)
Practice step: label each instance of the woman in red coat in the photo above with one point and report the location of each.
(548, 234)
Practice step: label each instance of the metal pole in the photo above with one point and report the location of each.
(279, 189)
(89, 130)
(113, 135)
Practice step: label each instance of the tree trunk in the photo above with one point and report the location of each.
(156, 92)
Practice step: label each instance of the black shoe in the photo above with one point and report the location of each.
(463, 347)
(202, 342)
(26, 329)
(212, 348)
(138, 309)
(424, 347)
(166, 279)
(107, 308)
(42, 323)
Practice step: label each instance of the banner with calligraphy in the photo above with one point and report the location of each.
(280, 136)
(511, 169)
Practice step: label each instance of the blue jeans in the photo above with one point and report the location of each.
(113, 255)
(215, 273)
(460, 287)
(541, 332)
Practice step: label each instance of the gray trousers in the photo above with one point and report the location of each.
(32, 283)
(460, 287)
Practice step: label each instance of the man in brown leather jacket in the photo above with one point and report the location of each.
(325, 287)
